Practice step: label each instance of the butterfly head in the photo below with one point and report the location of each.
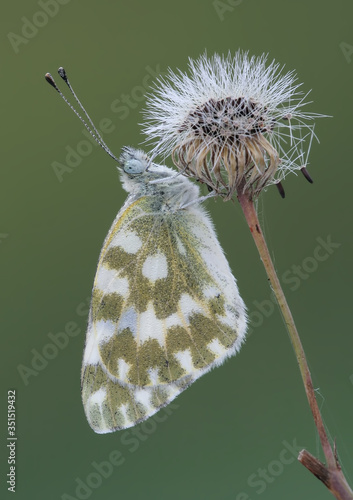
(139, 172)
(134, 162)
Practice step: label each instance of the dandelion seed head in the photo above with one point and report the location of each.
(232, 122)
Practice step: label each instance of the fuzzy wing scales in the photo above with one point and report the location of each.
(165, 310)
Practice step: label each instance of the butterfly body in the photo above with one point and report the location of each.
(165, 306)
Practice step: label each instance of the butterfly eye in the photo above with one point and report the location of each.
(134, 167)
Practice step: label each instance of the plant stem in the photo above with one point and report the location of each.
(334, 475)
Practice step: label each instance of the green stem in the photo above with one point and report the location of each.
(334, 472)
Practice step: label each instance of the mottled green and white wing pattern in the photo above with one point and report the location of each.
(165, 310)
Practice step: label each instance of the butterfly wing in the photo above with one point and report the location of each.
(165, 309)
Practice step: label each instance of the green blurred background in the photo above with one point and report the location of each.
(224, 438)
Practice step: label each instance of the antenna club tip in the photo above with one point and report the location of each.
(50, 80)
(62, 73)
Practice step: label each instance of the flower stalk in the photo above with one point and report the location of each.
(331, 474)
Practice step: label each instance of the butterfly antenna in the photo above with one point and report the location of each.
(94, 133)
(63, 75)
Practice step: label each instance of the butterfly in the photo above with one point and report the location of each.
(165, 306)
